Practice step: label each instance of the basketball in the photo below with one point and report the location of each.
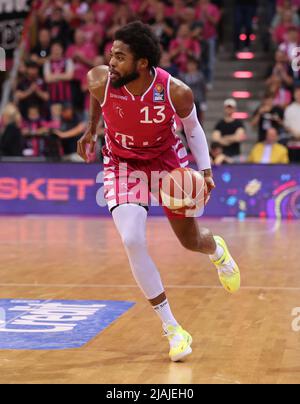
(184, 189)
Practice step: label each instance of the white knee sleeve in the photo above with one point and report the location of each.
(130, 220)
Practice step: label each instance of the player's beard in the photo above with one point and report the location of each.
(122, 81)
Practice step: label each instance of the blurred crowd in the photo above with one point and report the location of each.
(66, 39)
(278, 116)
(277, 119)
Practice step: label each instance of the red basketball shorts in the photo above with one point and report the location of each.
(138, 181)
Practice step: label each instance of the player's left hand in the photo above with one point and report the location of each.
(86, 145)
(210, 183)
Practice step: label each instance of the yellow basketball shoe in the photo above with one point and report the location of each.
(228, 270)
(180, 342)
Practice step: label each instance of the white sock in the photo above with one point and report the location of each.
(218, 253)
(164, 312)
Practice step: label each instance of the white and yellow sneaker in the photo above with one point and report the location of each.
(180, 342)
(228, 270)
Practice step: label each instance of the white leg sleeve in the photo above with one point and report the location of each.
(130, 221)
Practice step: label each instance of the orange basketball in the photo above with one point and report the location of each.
(184, 189)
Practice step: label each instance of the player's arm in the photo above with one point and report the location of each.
(97, 80)
(183, 101)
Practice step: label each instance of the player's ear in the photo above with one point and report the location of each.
(143, 64)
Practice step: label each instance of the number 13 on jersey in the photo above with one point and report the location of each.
(159, 114)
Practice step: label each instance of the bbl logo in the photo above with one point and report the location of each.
(159, 93)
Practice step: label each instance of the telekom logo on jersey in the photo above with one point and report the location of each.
(125, 140)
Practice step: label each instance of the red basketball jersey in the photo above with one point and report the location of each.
(140, 127)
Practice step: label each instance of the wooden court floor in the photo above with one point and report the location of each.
(246, 338)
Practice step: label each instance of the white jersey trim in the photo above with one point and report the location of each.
(169, 96)
(151, 85)
(106, 92)
(131, 95)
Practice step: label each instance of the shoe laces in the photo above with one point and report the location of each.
(227, 268)
(169, 332)
(172, 334)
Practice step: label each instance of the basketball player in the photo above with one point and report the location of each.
(138, 101)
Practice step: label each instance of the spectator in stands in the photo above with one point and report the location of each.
(292, 126)
(162, 26)
(194, 78)
(281, 94)
(45, 9)
(244, 13)
(269, 151)
(58, 73)
(74, 12)
(93, 31)
(148, 10)
(292, 117)
(55, 122)
(167, 64)
(83, 54)
(217, 155)
(11, 140)
(280, 32)
(123, 15)
(72, 128)
(189, 16)
(178, 7)
(196, 26)
(40, 53)
(32, 91)
(34, 129)
(292, 42)
(280, 69)
(58, 26)
(266, 117)
(184, 46)
(103, 11)
(230, 132)
(210, 15)
(282, 7)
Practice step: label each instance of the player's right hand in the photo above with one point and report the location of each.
(86, 145)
